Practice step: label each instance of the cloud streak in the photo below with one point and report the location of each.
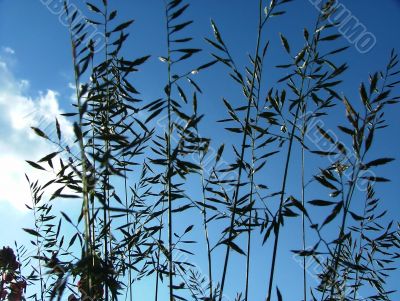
(8, 50)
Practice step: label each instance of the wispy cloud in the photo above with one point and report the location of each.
(8, 50)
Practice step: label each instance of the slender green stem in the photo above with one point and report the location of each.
(301, 99)
(303, 188)
(243, 147)
(85, 205)
(347, 203)
(282, 192)
(92, 188)
(158, 255)
(106, 186)
(82, 152)
(206, 235)
(37, 245)
(360, 251)
(246, 292)
(169, 164)
(357, 278)
(252, 175)
(128, 222)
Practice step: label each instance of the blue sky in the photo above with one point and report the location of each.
(36, 76)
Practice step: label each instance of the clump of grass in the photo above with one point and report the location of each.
(130, 171)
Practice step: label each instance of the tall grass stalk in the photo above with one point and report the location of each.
(243, 147)
(304, 92)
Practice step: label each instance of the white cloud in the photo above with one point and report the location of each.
(8, 50)
(73, 93)
(18, 113)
